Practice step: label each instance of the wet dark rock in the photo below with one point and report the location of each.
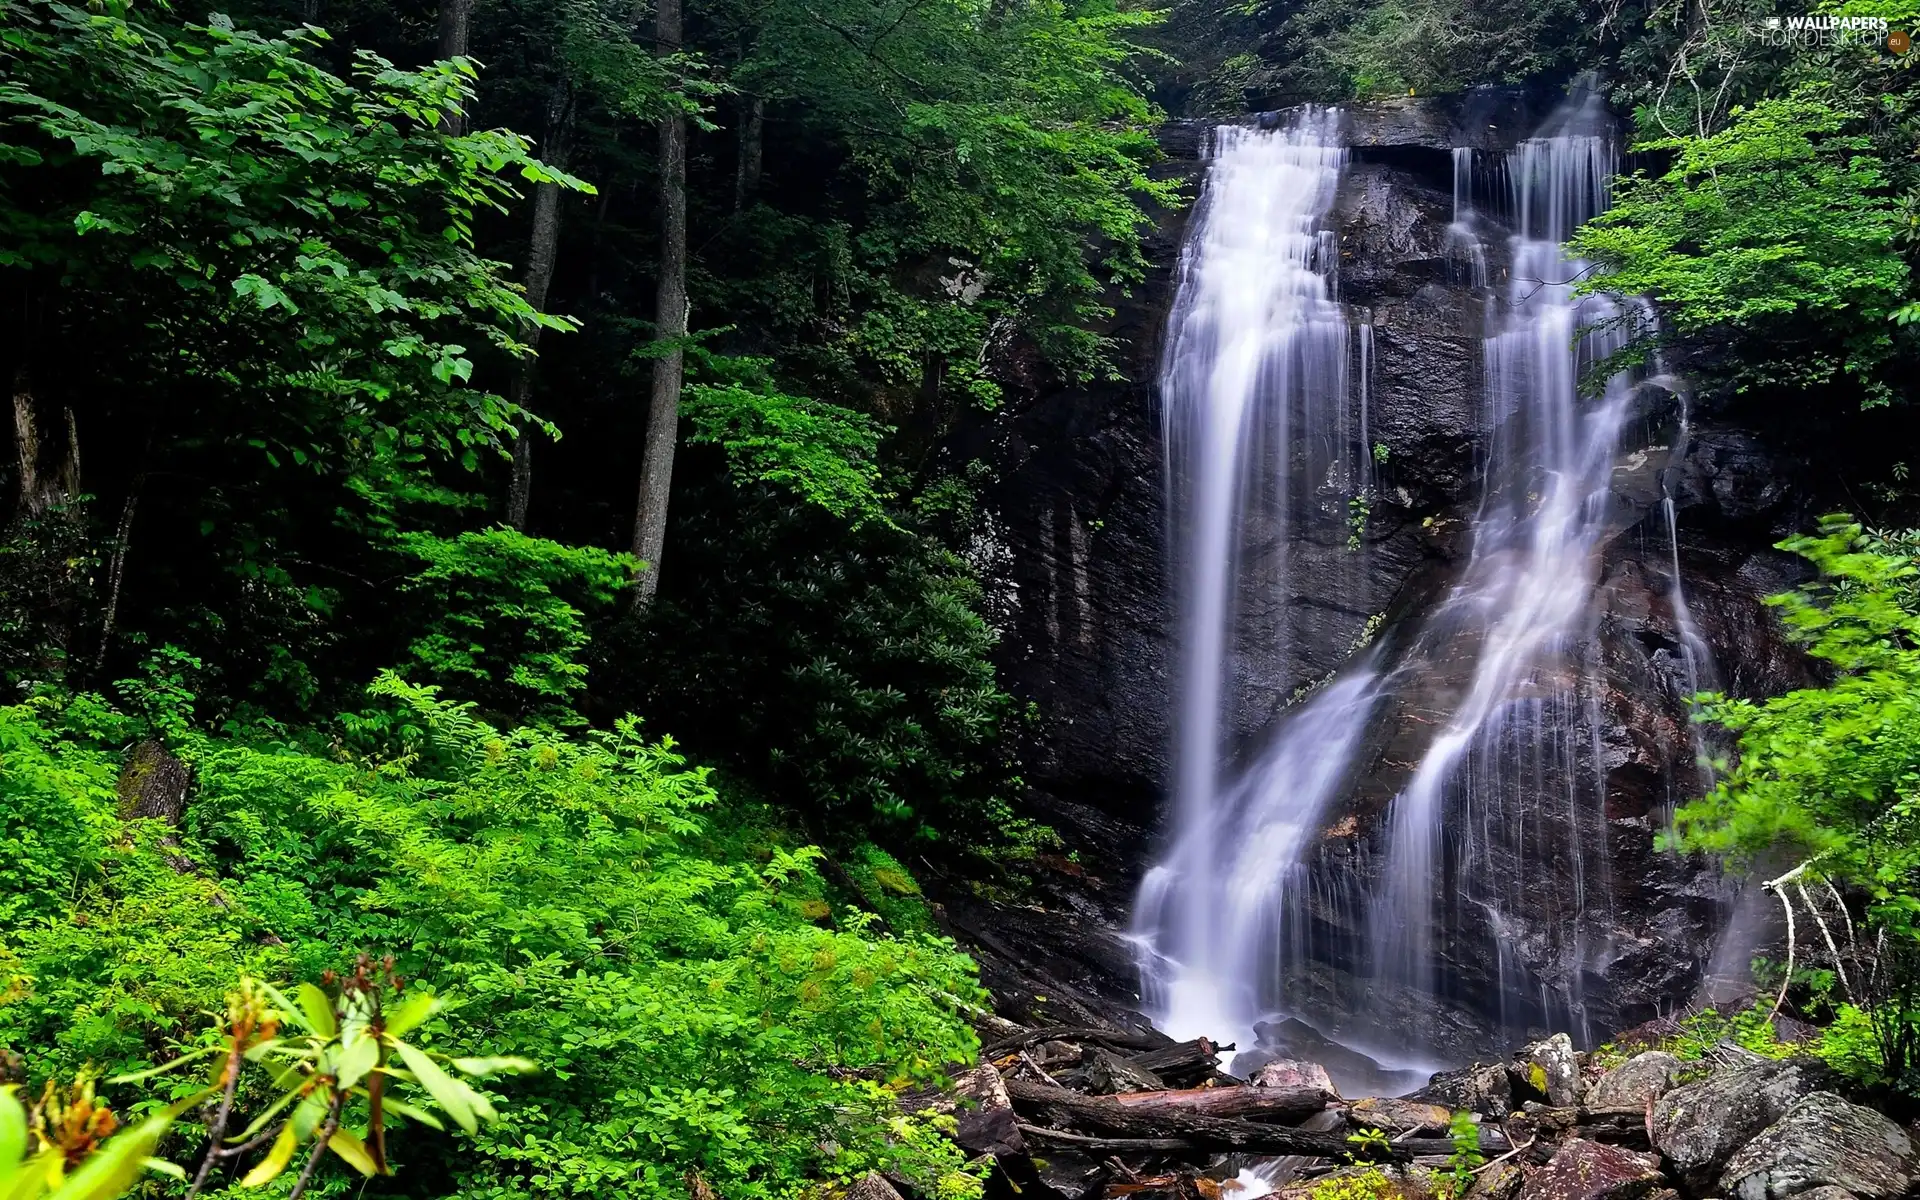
(1641, 1078)
(1070, 1174)
(1823, 1141)
(1481, 1088)
(1584, 1170)
(1698, 1127)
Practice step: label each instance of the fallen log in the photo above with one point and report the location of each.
(1059, 1107)
(1116, 1038)
(1110, 1145)
(1184, 1063)
(1259, 1103)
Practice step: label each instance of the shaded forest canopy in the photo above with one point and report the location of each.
(430, 427)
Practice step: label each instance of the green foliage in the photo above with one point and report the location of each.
(875, 705)
(1464, 1132)
(887, 888)
(505, 616)
(669, 966)
(302, 243)
(825, 454)
(1368, 1184)
(1779, 227)
(1827, 773)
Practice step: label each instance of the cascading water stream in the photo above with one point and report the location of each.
(1523, 721)
(1254, 386)
(1503, 812)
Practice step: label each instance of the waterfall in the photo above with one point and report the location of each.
(1498, 835)
(1254, 389)
(1524, 724)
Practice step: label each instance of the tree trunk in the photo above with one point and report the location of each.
(43, 486)
(746, 174)
(455, 21)
(1058, 1107)
(670, 319)
(1260, 1103)
(542, 249)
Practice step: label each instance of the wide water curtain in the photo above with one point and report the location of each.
(1254, 386)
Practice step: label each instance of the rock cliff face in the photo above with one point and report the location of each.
(1090, 628)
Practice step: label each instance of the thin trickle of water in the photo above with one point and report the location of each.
(1366, 395)
(1254, 387)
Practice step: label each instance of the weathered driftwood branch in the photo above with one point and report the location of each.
(1118, 1039)
(1268, 1103)
(1183, 1063)
(1058, 1107)
(1110, 1145)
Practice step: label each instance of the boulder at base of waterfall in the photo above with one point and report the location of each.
(1549, 1068)
(1641, 1078)
(1292, 1072)
(1482, 1089)
(1399, 1116)
(1822, 1141)
(1500, 1181)
(1584, 1170)
(1699, 1126)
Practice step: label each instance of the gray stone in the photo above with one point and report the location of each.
(1481, 1088)
(1641, 1078)
(1699, 1126)
(1108, 1074)
(1823, 1142)
(1400, 1116)
(1584, 1170)
(1500, 1181)
(1549, 1068)
(1292, 1072)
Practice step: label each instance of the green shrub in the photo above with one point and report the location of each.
(598, 912)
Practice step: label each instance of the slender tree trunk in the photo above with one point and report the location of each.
(670, 319)
(746, 175)
(541, 250)
(42, 486)
(455, 25)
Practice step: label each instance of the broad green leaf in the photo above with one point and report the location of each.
(13, 1130)
(317, 1009)
(406, 1016)
(349, 1147)
(356, 1059)
(278, 1156)
(307, 1117)
(260, 1122)
(449, 1093)
(511, 1064)
(402, 1108)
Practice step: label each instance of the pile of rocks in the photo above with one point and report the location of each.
(1093, 1114)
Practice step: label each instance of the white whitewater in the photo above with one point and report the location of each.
(1254, 388)
(1524, 726)
(1504, 813)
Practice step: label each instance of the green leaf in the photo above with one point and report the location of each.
(356, 1059)
(13, 1129)
(453, 1097)
(406, 1016)
(317, 1009)
(411, 1113)
(507, 1064)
